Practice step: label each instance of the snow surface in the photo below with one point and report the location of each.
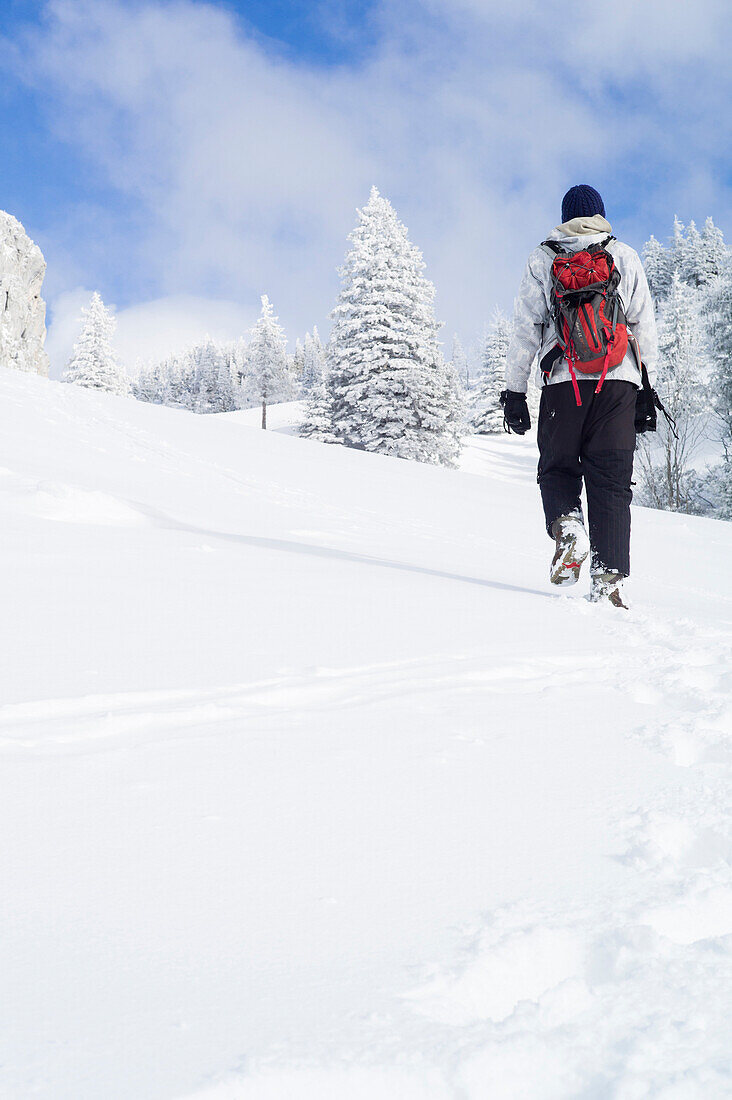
(312, 787)
(283, 416)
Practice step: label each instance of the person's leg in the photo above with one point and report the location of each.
(559, 435)
(607, 450)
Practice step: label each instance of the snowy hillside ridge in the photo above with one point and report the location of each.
(312, 787)
(22, 309)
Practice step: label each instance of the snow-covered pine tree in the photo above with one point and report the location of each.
(147, 386)
(696, 257)
(677, 248)
(460, 363)
(94, 363)
(317, 423)
(212, 390)
(671, 482)
(692, 267)
(178, 373)
(487, 414)
(718, 308)
(318, 418)
(658, 264)
(722, 484)
(234, 353)
(390, 388)
(297, 362)
(206, 378)
(154, 383)
(269, 378)
(238, 357)
(313, 362)
(715, 254)
(456, 414)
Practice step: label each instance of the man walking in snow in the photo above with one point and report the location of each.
(585, 309)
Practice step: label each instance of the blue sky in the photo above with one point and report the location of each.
(44, 173)
(185, 157)
(320, 33)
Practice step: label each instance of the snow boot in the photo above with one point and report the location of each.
(573, 546)
(608, 586)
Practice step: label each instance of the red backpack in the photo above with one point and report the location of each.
(587, 311)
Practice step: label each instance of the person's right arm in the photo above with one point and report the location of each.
(530, 314)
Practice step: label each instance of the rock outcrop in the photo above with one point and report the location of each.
(22, 309)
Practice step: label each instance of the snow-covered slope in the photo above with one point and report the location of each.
(313, 788)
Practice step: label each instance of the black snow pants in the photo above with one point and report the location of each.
(595, 441)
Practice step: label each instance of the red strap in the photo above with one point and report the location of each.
(605, 366)
(577, 397)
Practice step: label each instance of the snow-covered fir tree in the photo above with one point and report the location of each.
(719, 320)
(715, 254)
(269, 378)
(718, 312)
(677, 247)
(212, 386)
(297, 363)
(153, 383)
(699, 261)
(94, 363)
(313, 362)
(317, 422)
(658, 265)
(236, 352)
(460, 363)
(669, 479)
(457, 411)
(390, 387)
(206, 378)
(149, 383)
(697, 258)
(179, 382)
(691, 270)
(487, 414)
(721, 486)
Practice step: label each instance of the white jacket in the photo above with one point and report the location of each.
(533, 328)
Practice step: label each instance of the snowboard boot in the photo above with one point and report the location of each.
(573, 546)
(608, 586)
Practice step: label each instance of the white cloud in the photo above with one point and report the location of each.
(147, 331)
(473, 117)
(151, 330)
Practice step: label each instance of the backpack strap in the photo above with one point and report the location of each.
(601, 246)
(552, 248)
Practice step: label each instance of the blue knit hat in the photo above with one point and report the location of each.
(582, 201)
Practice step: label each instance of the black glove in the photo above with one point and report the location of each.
(646, 404)
(515, 412)
(645, 411)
